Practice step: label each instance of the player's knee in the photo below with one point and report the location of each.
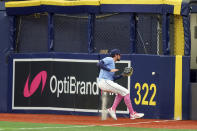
(126, 92)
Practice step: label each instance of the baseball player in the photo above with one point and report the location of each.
(106, 83)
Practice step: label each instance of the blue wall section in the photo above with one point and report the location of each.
(164, 68)
(167, 82)
(186, 88)
(143, 66)
(4, 52)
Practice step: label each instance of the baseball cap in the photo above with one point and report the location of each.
(114, 52)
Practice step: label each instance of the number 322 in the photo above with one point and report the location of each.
(145, 87)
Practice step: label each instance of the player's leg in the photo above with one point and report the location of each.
(127, 102)
(117, 100)
(108, 86)
(104, 89)
(112, 110)
(122, 93)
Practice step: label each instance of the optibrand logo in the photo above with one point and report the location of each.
(35, 84)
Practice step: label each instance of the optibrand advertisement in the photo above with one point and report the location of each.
(60, 84)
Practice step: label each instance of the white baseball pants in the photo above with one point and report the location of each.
(111, 86)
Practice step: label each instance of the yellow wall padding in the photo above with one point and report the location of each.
(52, 2)
(22, 4)
(70, 3)
(131, 1)
(178, 89)
(178, 35)
(175, 3)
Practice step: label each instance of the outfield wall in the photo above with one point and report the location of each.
(66, 83)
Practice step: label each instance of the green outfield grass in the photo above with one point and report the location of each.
(22, 126)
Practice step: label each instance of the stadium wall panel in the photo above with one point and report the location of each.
(152, 85)
(4, 52)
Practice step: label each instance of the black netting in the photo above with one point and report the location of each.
(112, 31)
(148, 35)
(71, 33)
(32, 33)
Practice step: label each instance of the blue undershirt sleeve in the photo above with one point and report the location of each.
(102, 66)
(116, 77)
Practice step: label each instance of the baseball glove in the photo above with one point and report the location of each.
(128, 71)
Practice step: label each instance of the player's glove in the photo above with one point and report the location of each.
(128, 71)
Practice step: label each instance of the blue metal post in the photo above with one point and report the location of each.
(12, 24)
(50, 32)
(133, 33)
(187, 35)
(91, 20)
(165, 34)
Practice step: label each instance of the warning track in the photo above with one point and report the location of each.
(96, 121)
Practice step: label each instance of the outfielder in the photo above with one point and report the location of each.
(106, 83)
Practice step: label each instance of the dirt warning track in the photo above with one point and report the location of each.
(95, 120)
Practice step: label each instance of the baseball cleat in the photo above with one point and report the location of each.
(112, 113)
(136, 115)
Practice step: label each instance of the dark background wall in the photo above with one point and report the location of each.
(4, 52)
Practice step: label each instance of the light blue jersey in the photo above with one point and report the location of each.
(109, 63)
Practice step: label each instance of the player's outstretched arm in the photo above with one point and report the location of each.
(114, 70)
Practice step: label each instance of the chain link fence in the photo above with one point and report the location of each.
(112, 31)
(32, 33)
(71, 33)
(148, 34)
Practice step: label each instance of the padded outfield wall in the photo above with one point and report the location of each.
(66, 83)
(159, 86)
